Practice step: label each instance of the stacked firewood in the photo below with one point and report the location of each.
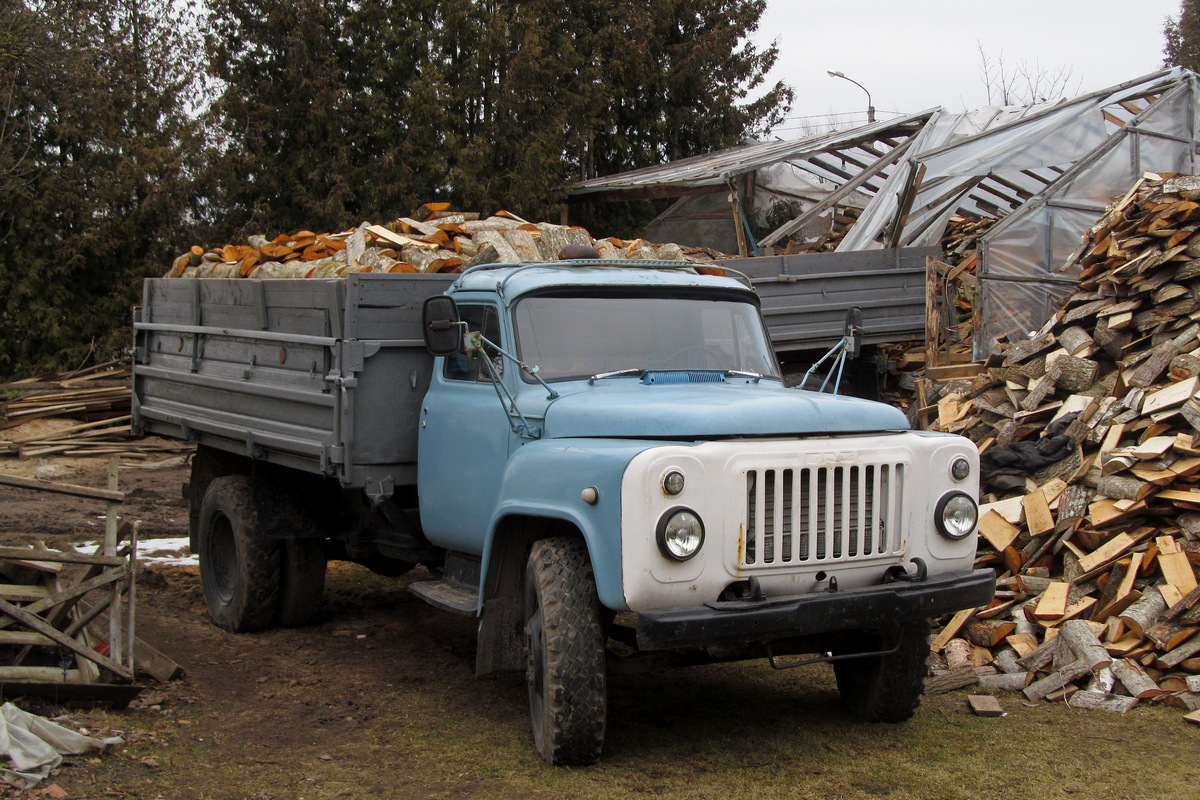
(1091, 465)
(960, 241)
(441, 241)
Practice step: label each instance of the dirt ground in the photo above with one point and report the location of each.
(378, 700)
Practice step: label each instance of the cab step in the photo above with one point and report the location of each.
(458, 588)
(447, 595)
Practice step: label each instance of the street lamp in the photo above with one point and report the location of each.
(870, 108)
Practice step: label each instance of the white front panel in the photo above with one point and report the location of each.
(791, 513)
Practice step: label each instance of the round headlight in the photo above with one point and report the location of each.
(960, 469)
(672, 482)
(956, 515)
(680, 534)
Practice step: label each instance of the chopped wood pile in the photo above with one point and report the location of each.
(1090, 454)
(441, 241)
(959, 290)
(80, 413)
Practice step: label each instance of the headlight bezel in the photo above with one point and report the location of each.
(661, 534)
(939, 516)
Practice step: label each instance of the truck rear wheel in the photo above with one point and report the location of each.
(564, 646)
(239, 569)
(886, 688)
(303, 581)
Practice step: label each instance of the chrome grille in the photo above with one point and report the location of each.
(814, 515)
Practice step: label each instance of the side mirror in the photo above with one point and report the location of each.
(440, 323)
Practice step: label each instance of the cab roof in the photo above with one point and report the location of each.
(514, 280)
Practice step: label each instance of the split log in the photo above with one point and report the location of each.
(1144, 614)
(948, 680)
(1135, 680)
(1078, 636)
(1056, 681)
(1004, 682)
(1100, 701)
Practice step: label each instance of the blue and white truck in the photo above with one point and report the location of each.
(597, 460)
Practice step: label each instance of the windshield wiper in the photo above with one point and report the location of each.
(615, 374)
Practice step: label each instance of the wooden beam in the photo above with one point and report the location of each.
(41, 626)
(61, 488)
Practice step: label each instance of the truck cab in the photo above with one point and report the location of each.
(634, 423)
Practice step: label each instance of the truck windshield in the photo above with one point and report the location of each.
(577, 337)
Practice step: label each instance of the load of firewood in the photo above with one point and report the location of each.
(442, 241)
(1090, 466)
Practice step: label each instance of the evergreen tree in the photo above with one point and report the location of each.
(285, 155)
(1183, 37)
(601, 86)
(96, 142)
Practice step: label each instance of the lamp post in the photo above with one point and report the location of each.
(870, 108)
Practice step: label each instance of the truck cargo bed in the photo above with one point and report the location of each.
(805, 297)
(276, 370)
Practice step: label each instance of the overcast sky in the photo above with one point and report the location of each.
(925, 53)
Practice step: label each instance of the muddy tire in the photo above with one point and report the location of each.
(239, 568)
(303, 581)
(564, 648)
(886, 688)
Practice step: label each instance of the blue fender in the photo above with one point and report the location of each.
(546, 479)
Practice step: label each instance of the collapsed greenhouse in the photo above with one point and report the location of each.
(1040, 176)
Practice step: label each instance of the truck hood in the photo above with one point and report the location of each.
(629, 408)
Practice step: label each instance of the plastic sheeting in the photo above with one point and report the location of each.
(939, 195)
(35, 745)
(707, 220)
(1021, 260)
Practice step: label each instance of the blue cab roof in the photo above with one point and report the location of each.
(514, 280)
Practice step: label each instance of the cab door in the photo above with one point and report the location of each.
(463, 441)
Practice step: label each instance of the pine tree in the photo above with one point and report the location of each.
(1183, 37)
(97, 141)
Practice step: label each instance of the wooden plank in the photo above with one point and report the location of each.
(1106, 552)
(1173, 395)
(40, 674)
(1038, 518)
(23, 593)
(21, 553)
(61, 488)
(70, 594)
(37, 624)
(23, 638)
(952, 627)
(998, 531)
(984, 705)
(1053, 602)
(1176, 568)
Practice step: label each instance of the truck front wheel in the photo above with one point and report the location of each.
(239, 570)
(564, 646)
(886, 688)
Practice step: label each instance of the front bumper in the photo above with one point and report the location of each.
(817, 613)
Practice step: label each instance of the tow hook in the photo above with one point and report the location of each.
(897, 572)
